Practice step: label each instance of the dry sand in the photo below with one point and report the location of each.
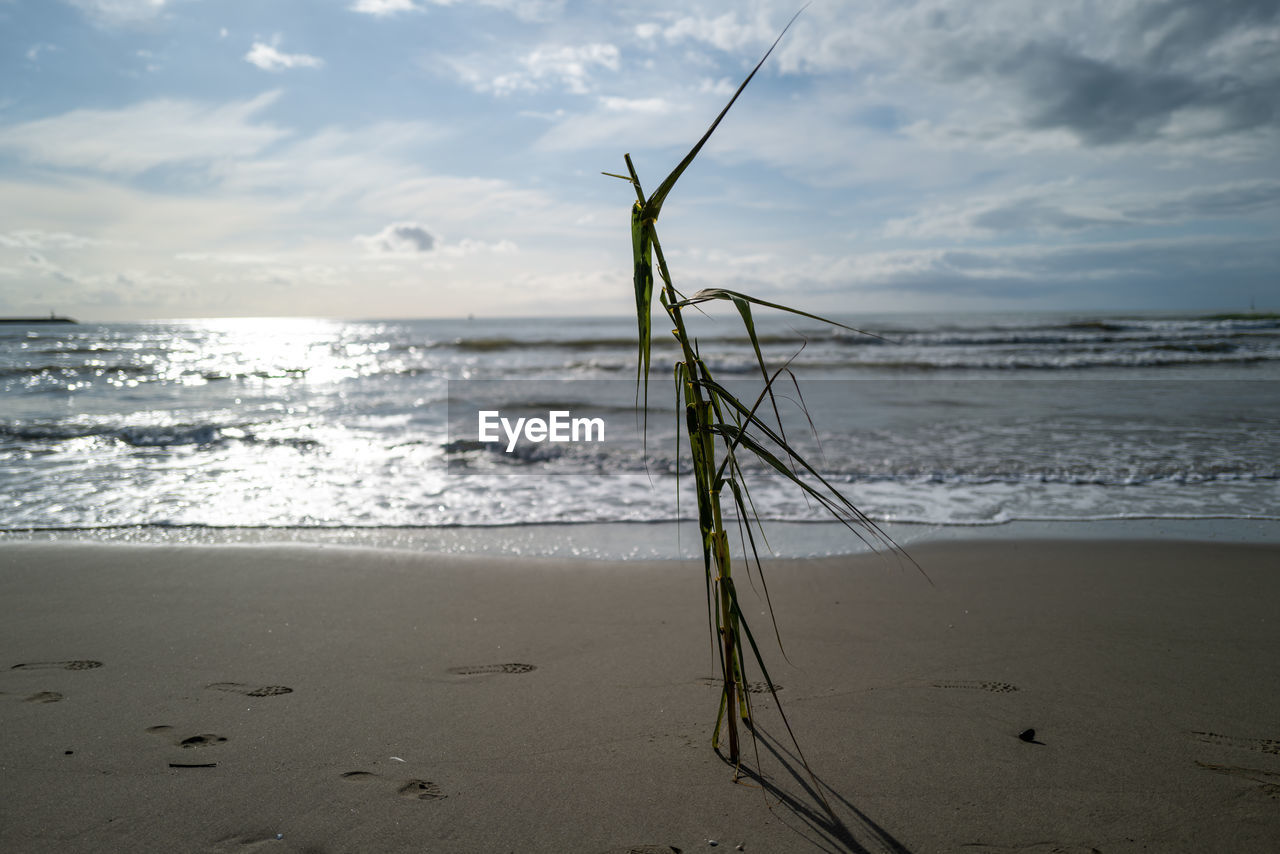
(312, 699)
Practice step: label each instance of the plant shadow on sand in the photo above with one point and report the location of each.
(807, 809)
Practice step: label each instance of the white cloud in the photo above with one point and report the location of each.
(724, 87)
(527, 10)
(385, 7)
(134, 139)
(467, 246)
(635, 105)
(335, 166)
(34, 238)
(573, 67)
(617, 122)
(723, 32)
(33, 52)
(268, 58)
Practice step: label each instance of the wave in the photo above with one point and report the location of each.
(1099, 478)
(72, 371)
(1004, 518)
(916, 361)
(137, 373)
(149, 436)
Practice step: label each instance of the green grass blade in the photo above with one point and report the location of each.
(745, 507)
(708, 294)
(642, 252)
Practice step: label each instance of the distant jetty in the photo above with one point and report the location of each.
(52, 318)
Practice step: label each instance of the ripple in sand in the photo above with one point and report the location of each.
(79, 664)
(472, 670)
(1261, 745)
(991, 687)
(248, 691)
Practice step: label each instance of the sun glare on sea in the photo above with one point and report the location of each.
(270, 349)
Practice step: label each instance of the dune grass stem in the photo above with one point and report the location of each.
(718, 427)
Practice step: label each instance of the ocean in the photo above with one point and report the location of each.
(365, 431)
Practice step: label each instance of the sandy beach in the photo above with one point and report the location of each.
(324, 699)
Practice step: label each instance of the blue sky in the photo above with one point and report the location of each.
(396, 158)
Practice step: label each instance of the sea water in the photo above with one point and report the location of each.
(322, 428)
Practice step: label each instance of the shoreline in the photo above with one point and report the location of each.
(480, 703)
(655, 540)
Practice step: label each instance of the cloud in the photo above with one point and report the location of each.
(1099, 274)
(658, 106)
(570, 66)
(1065, 208)
(1229, 200)
(381, 8)
(114, 12)
(132, 140)
(1006, 74)
(723, 32)
(526, 10)
(43, 240)
(43, 267)
(400, 238)
(467, 246)
(1102, 102)
(1038, 210)
(33, 52)
(268, 58)
(406, 239)
(1099, 102)
(1183, 71)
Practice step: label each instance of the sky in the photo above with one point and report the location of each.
(427, 158)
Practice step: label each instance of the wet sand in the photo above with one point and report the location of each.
(1036, 696)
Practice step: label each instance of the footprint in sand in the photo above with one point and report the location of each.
(422, 790)
(492, 668)
(245, 842)
(1269, 781)
(992, 687)
(80, 664)
(203, 740)
(1261, 745)
(43, 697)
(250, 691)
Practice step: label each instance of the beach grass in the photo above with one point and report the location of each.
(721, 429)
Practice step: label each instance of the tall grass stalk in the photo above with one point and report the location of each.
(721, 429)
